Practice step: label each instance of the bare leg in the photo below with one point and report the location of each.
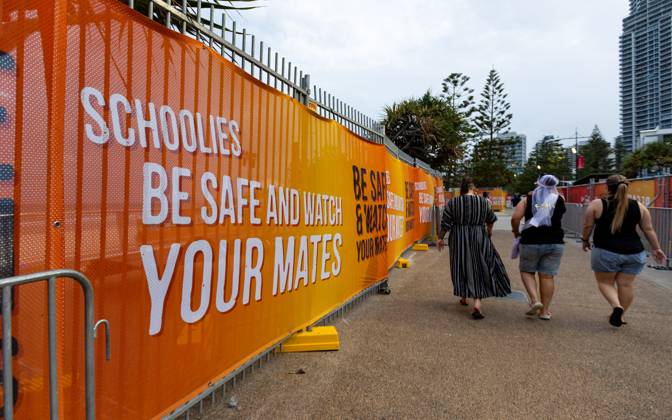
(546, 288)
(626, 289)
(606, 284)
(530, 284)
(477, 304)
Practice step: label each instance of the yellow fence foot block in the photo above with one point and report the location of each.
(420, 247)
(403, 263)
(318, 339)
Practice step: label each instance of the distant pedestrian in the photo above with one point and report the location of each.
(618, 253)
(541, 242)
(476, 269)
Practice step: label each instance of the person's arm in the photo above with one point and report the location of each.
(489, 227)
(647, 228)
(490, 218)
(589, 223)
(446, 224)
(517, 216)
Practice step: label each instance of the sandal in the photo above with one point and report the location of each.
(534, 309)
(545, 317)
(476, 314)
(464, 302)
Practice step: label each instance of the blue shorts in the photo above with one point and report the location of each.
(603, 261)
(542, 258)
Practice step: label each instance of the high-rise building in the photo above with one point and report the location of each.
(517, 152)
(646, 73)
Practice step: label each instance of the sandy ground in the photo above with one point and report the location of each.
(418, 354)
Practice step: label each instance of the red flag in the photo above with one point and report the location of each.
(580, 162)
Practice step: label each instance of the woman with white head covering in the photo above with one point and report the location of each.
(541, 242)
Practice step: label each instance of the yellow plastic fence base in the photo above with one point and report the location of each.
(318, 339)
(420, 247)
(403, 263)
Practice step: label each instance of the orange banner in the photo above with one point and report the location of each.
(213, 214)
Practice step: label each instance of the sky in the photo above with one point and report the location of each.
(558, 59)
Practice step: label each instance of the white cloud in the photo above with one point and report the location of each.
(557, 58)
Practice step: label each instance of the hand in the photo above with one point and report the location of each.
(440, 244)
(586, 246)
(659, 256)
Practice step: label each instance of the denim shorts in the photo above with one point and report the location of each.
(603, 261)
(542, 258)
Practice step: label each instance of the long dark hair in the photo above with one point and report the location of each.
(466, 185)
(617, 186)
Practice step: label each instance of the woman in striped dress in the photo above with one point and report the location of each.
(477, 270)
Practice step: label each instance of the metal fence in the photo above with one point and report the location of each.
(662, 224)
(7, 285)
(572, 221)
(661, 218)
(224, 35)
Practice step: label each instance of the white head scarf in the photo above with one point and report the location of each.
(544, 198)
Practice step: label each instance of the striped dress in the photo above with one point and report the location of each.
(477, 270)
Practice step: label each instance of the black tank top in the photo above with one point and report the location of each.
(544, 234)
(625, 241)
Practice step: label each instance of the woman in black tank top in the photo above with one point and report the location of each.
(618, 254)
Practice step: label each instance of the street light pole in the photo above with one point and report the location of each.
(575, 149)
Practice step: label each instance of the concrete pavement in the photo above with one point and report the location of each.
(418, 354)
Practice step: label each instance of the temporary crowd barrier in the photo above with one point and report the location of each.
(652, 192)
(212, 214)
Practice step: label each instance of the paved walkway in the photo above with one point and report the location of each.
(418, 354)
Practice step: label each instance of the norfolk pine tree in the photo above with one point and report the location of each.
(597, 155)
(490, 154)
(460, 98)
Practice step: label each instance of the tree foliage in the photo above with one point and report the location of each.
(493, 116)
(460, 98)
(488, 163)
(426, 128)
(654, 157)
(597, 155)
(489, 157)
(548, 157)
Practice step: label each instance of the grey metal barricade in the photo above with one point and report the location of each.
(572, 221)
(7, 285)
(661, 219)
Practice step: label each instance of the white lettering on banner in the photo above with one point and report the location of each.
(315, 205)
(115, 101)
(395, 202)
(424, 198)
(158, 288)
(163, 127)
(222, 304)
(179, 196)
(253, 271)
(287, 272)
(425, 215)
(85, 96)
(144, 124)
(283, 267)
(421, 186)
(395, 227)
(149, 193)
(324, 274)
(167, 197)
(188, 315)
